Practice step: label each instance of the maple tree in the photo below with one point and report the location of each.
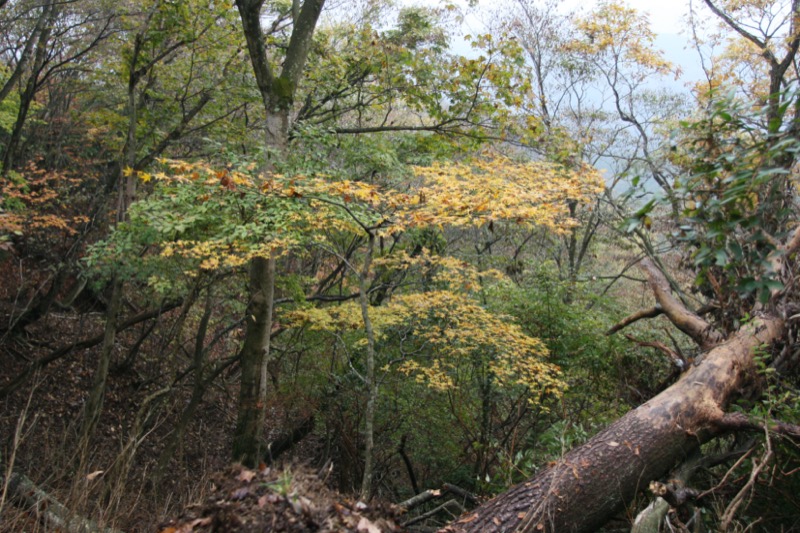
(242, 216)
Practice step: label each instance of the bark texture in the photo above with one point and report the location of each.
(250, 423)
(592, 483)
(277, 93)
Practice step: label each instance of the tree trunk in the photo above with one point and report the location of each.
(250, 422)
(49, 511)
(277, 95)
(592, 483)
(25, 55)
(369, 377)
(589, 485)
(94, 404)
(49, 14)
(200, 362)
(127, 194)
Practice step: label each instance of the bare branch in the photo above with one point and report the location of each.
(685, 320)
(741, 422)
(635, 317)
(674, 356)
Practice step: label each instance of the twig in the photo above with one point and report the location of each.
(730, 511)
(674, 356)
(432, 512)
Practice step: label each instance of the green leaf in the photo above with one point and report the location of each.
(736, 250)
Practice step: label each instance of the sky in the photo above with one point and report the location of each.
(668, 19)
(666, 16)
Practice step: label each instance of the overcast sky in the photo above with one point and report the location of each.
(666, 16)
(667, 19)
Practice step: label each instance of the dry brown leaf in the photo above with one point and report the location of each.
(246, 476)
(365, 526)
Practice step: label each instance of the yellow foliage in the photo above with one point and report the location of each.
(624, 34)
(532, 193)
(452, 330)
(451, 194)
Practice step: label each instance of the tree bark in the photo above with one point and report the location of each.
(277, 94)
(590, 484)
(94, 403)
(255, 352)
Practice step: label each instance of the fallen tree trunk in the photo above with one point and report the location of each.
(50, 512)
(592, 483)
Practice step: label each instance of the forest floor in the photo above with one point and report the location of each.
(45, 412)
(39, 422)
(278, 500)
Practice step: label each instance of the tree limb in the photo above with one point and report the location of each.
(635, 317)
(452, 503)
(741, 422)
(685, 320)
(674, 356)
(81, 345)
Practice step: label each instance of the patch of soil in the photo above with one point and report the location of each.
(292, 500)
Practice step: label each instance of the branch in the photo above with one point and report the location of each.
(431, 494)
(47, 509)
(300, 41)
(635, 317)
(675, 493)
(741, 31)
(685, 320)
(409, 467)
(440, 127)
(81, 345)
(444, 507)
(777, 259)
(320, 298)
(249, 12)
(741, 422)
(741, 454)
(730, 511)
(464, 494)
(674, 356)
(175, 134)
(419, 499)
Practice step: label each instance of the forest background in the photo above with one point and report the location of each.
(320, 231)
